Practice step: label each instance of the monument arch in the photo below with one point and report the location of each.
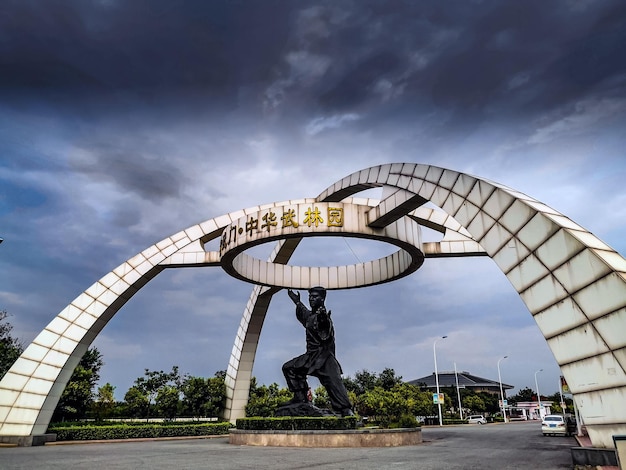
(573, 284)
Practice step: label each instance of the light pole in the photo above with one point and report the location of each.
(458, 393)
(437, 378)
(538, 396)
(562, 401)
(501, 392)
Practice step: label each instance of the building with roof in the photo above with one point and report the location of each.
(466, 380)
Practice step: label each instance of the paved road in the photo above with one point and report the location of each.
(492, 446)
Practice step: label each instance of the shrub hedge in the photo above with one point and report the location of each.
(135, 431)
(297, 423)
(454, 421)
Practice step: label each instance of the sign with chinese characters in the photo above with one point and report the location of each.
(273, 221)
(309, 218)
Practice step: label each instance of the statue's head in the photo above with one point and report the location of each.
(320, 290)
(317, 295)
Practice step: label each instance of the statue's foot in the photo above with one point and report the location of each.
(296, 401)
(347, 412)
(298, 397)
(301, 409)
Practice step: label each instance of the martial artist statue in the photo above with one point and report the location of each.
(319, 359)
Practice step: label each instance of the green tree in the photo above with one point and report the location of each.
(136, 403)
(195, 396)
(390, 408)
(78, 395)
(217, 395)
(320, 398)
(491, 400)
(105, 401)
(264, 400)
(167, 401)
(474, 403)
(556, 408)
(153, 381)
(386, 398)
(204, 397)
(420, 402)
(388, 379)
(10, 348)
(363, 381)
(525, 394)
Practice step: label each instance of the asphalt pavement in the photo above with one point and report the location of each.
(517, 445)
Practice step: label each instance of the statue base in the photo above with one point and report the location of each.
(336, 438)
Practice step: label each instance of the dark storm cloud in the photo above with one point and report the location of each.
(597, 58)
(145, 46)
(470, 57)
(341, 56)
(151, 177)
(357, 84)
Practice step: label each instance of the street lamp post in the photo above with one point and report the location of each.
(501, 391)
(538, 396)
(437, 378)
(458, 393)
(562, 400)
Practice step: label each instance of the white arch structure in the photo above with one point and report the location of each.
(573, 284)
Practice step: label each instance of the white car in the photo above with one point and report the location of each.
(557, 424)
(480, 419)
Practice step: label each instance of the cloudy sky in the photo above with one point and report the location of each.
(123, 122)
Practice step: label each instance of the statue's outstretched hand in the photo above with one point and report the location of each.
(295, 296)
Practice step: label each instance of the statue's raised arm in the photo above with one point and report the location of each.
(294, 296)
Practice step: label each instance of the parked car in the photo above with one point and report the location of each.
(480, 419)
(558, 425)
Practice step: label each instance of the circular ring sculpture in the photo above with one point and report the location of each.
(318, 219)
(573, 284)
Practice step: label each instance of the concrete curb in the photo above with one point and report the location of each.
(139, 439)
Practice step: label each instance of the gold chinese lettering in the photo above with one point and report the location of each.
(270, 221)
(229, 235)
(232, 234)
(289, 219)
(335, 216)
(251, 225)
(313, 216)
(223, 243)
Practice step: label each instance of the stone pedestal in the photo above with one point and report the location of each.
(342, 438)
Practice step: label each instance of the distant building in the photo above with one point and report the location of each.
(531, 409)
(466, 380)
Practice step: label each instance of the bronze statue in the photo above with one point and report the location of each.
(319, 359)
